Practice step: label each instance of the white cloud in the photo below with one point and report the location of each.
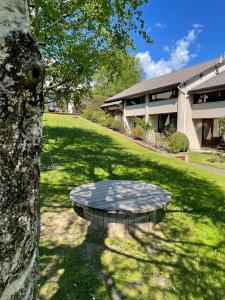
(160, 25)
(179, 55)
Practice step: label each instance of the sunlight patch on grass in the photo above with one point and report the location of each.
(183, 258)
(204, 159)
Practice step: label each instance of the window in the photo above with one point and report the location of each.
(166, 120)
(209, 97)
(135, 101)
(164, 96)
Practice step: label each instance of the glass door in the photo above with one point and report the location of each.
(207, 132)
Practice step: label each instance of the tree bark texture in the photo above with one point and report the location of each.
(21, 106)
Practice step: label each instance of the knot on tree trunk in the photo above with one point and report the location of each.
(33, 74)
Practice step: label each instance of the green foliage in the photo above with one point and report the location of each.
(97, 100)
(100, 117)
(106, 121)
(138, 132)
(217, 157)
(79, 37)
(87, 113)
(178, 142)
(207, 158)
(170, 129)
(141, 122)
(222, 127)
(129, 72)
(116, 125)
(183, 258)
(161, 141)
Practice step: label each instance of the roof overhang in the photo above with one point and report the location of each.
(113, 103)
(207, 90)
(146, 92)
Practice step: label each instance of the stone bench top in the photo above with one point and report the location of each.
(120, 196)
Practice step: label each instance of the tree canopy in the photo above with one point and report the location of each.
(78, 37)
(129, 72)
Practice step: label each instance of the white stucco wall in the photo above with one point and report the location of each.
(208, 110)
(135, 110)
(162, 107)
(189, 115)
(186, 124)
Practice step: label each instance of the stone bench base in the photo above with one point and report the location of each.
(122, 223)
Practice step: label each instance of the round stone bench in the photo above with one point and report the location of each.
(120, 206)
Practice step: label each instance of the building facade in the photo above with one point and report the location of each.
(193, 99)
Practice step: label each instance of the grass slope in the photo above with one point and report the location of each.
(183, 259)
(203, 158)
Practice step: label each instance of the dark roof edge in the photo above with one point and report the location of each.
(207, 89)
(206, 72)
(163, 88)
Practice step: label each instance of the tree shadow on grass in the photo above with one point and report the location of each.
(86, 156)
(151, 266)
(176, 262)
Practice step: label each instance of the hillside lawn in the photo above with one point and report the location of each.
(184, 258)
(203, 158)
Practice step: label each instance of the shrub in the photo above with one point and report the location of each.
(98, 116)
(216, 157)
(170, 129)
(161, 141)
(87, 113)
(116, 125)
(141, 122)
(138, 132)
(106, 121)
(222, 128)
(178, 142)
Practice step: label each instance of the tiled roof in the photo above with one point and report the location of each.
(164, 81)
(214, 82)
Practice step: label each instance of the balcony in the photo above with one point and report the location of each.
(163, 107)
(208, 110)
(135, 110)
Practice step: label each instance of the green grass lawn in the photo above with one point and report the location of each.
(203, 159)
(184, 258)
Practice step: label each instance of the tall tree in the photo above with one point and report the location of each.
(21, 105)
(129, 72)
(77, 37)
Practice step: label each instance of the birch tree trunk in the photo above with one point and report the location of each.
(21, 105)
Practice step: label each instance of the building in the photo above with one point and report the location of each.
(192, 98)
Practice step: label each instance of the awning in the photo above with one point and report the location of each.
(111, 103)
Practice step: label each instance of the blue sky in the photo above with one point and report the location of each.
(185, 32)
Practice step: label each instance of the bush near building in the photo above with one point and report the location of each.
(178, 142)
(103, 119)
(138, 132)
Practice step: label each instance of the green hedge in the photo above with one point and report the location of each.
(178, 142)
(100, 117)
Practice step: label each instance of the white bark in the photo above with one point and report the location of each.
(21, 106)
(14, 16)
